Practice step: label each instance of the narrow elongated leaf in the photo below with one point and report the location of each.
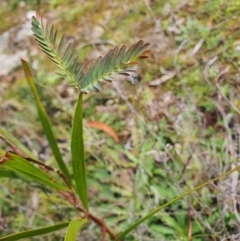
(73, 228)
(34, 232)
(14, 141)
(137, 223)
(26, 169)
(46, 123)
(7, 173)
(78, 155)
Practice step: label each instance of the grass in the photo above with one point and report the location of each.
(172, 136)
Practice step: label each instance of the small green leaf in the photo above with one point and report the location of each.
(26, 169)
(128, 54)
(78, 155)
(96, 67)
(35, 22)
(136, 49)
(34, 232)
(61, 44)
(73, 228)
(64, 57)
(118, 60)
(51, 35)
(101, 67)
(114, 55)
(46, 123)
(108, 62)
(73, 69)
(143, 49)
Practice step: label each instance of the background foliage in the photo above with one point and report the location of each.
(172, 130)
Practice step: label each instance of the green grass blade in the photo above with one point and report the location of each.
(46, 123)
(34, 232)
(26, 169)
(73, 228)
(77, 153)
(137, 223)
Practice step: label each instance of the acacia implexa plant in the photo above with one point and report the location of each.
(70, 182)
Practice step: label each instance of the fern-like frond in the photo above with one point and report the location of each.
(117, 61)
(65, 60)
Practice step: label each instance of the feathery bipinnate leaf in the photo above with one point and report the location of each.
(66, 61)
(116, 61)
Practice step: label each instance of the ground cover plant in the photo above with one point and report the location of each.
(178, 128)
